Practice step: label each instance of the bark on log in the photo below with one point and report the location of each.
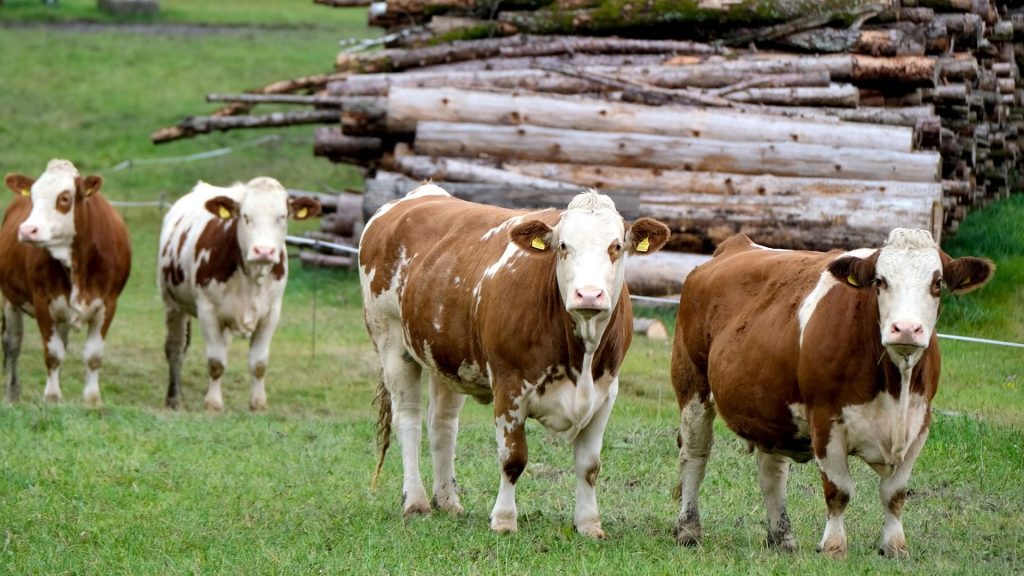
(330, 142)
(409, 106)
(906, 116)
(836, 95)
(610, 17)
(661, 273)
(203, 124)
(458, 170)
(723, 184)
(276, 99)
(364, 116)
(527, 142)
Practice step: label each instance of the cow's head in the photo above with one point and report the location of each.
(261, 216)
(909, 273)
(51, 223)
(589, 244)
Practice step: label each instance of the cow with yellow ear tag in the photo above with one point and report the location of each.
(223, 261)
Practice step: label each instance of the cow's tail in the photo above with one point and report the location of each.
(383, 402)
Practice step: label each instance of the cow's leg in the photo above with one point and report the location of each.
(174, 349)
(92, 352)
(54, 348)
(13, 332)
(892, 490)
(696, 435)
(443, 428)
(772, 474)
(259, 355)
(402, 377)
(218, 339)
(587, 451)
(829, 443)
(510, 430)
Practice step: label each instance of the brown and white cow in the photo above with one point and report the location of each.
(64, 259)
(528, 309)
(223, 260)
(814, 355)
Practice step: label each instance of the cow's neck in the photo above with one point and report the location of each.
(584, 337)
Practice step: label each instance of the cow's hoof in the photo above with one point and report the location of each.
(834, 548)
(173, 403)
(592, 530)
(214, 405)
(781, 541)
(418, 509)
(54, 397)
(258, 405)
(93, 399)
(448, 505)
(504, 526)
(688, 535)
(897, 548)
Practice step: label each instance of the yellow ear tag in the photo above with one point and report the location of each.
(539, 244)
(644, 245)
(302, 213)
(26, 192)
(852, 281)
(224, 213)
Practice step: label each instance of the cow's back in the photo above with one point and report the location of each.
(434, 262)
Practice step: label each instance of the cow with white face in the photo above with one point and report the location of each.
(64, 259)
(528, 309)
(839, 351)
(223, 260)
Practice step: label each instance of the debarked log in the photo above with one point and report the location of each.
(661, 273)
(528, 142)
(409, 106)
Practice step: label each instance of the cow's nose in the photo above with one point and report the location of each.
(264, 252)
(903, 332)
(28, 232)
(589, 297)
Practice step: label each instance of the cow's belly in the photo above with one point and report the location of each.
(874, 431)
(553, 404)
(239, 305)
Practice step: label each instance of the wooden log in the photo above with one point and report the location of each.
(527, 142)
(547, 62)
(836, 95)
(364, 116)
(331, 143)
(459, 170)
(409, 106)
(717, 183)
(276, 99)
(904, 116)
(203, 124)
(661, 273)
(650, 327)
(521, 45)
(608, 17)
(958, 68)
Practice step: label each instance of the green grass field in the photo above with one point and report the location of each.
(133, 488)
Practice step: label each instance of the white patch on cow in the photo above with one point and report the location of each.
(803, 428)
(825, 283)
(511, 251)
(426, 190)
(760, 247)
(457, 281)
(54, 349)
(92, 351)
(836, 468)
(503, 227)
(869, 428)
(558, 407)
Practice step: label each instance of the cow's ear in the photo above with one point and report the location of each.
(19, 184)
(222, 207)
(968, 273)
(647, 235)
(856, 272)
(88, 186)
(533, 236)
(303, 207)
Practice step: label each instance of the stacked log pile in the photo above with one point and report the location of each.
(803, 124)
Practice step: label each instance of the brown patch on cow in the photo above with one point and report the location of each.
(219, 239)
(936, 287)
(835, 499)
(259, 370)
(20, 184)
(64, 202)
(173, 274)
(52, 362)
(94, 362)
(278, 270)
(895, 504)
(182, 237)
(592, 473)
(215, 368)
(615, 251)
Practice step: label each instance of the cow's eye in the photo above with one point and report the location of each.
(881, 283)
(939, 283)
(561, 246)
